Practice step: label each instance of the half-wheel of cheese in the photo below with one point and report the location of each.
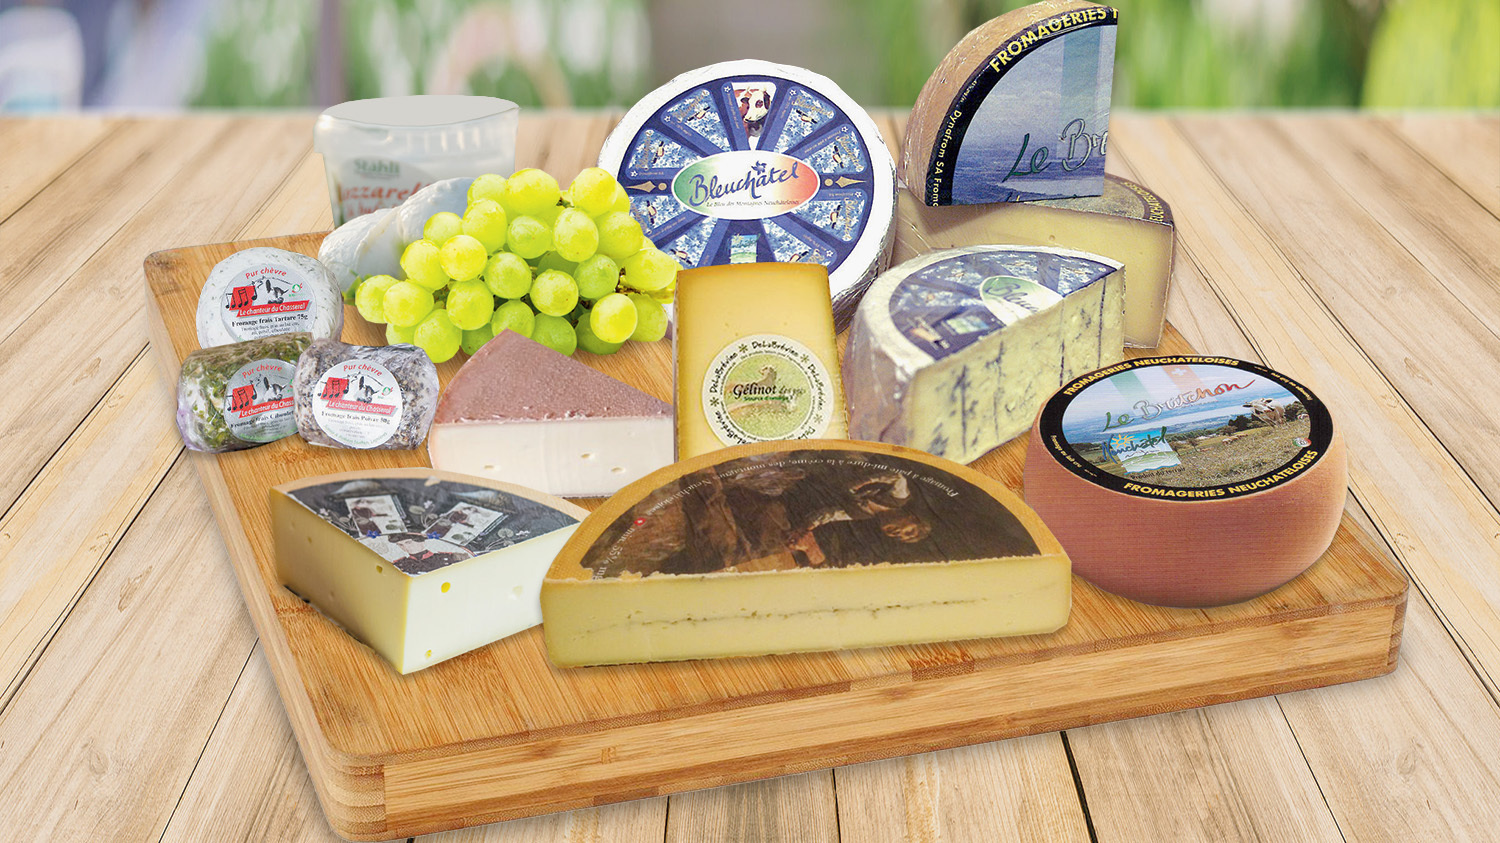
(779, 547)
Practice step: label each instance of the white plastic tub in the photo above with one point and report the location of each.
(377, 152)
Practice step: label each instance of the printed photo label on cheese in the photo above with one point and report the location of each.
(767, 387)
(1156, 427)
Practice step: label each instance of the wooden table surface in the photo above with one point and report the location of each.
(1359, 254)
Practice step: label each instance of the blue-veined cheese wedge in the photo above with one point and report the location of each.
(954, 352)
(749, 161)
(420, 565)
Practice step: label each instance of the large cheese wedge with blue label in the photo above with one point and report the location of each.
(749, 161)
(953, 352)
(420, 565)
(782, 547)
(1018, 110)
(1187, 481)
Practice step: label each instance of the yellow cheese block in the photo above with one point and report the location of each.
(780, 547)
(1128, 223)
(756, 359)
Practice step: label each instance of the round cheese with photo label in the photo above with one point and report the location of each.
(1187, 480)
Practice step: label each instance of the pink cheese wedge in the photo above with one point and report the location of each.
(519, 412)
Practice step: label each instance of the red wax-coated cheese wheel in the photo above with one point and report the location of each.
(1187, 481)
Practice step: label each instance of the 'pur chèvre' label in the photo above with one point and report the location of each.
(268, 299)
(258, 401)
(424, 524)
(767, 387)
(358, 403)
(1186, 427)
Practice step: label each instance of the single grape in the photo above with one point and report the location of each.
(554, 293)
(441, 226)
(621, 200)
(488, 186)
(422, 263)
(593, 191)
(485, 221)
(555, 333)
(529, 237)
(574, 235)
(470, 304)
(650, 318)
(397, 335)
(513, 316)
(463, 257)
(530, 191)
(553, 260)
(597, 277)
(619, 235)
(613, 318)
(475, 339)
(590, 342)
(507, 275)
(405, 304)
(438, 336)
(370, 295)
(649, 270)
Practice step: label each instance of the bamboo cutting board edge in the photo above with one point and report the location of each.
(378, 795)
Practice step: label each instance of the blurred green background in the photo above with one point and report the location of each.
(1171, 53)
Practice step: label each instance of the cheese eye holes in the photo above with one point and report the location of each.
(515, 593)
(379, 569)
(446, 586)
(489, 468)
(588, 456)
(429, 654)
(619, 469)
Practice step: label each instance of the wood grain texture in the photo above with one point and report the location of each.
(1464, 147)
(47, 148)
(382, 768)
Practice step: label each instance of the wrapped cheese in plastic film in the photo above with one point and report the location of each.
(357, 396)
(261, 292)
(232, 397)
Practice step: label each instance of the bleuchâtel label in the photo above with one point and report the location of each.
(421, 525)
(358, 403)
(258, 401)
(766, 387)
(1058, 149)
(1186, 427)
(266, 300)
(745, 185)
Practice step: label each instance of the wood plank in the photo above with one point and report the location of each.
(1438, 523)
(109, 724)
(299, 204)
(1464, 147)
(77, 342)
(85, 206)
(1023, 787)
(42, 147)
(1449, 234)
(789, 809)
(1434, 339)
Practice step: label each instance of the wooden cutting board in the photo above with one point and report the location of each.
(499, 733)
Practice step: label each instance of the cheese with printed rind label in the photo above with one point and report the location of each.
(420, 565)
(781, 547)
(953, 352)
(262, 292)
(1187, 480)
(359, 396)
(750, 161)
(1128, 223)
(756, 358)
(519, 412)
(1018, 110)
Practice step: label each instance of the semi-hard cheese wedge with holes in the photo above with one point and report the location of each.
(420, 565)
(519, 412)
(781, 547)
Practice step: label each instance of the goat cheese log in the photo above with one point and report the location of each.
(262, 292)
(233, 397)
(357, 396)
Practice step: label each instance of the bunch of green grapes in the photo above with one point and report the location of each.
(570, 269)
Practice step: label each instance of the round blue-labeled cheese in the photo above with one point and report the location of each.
(749, 161)
(262, 292)
(953, 352)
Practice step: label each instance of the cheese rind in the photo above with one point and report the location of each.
(953, 352)
(1128, 223)
(420, 565)
(1018, 110)
(1187, 481)
(756, 358)
(789, 547)
(519, 412)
